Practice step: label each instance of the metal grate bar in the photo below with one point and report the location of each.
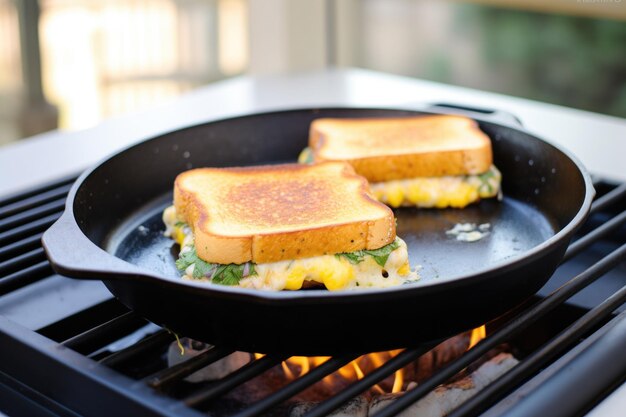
(538, 359)
(105, 333)
(608, 199)
(35, 201)
(77, 382)
(300, 384)
(593, 236)
(183, 369)
(153, 341)
(30, 242)
(21, 261)
(36, 191)
(362, 385)
(25, 230)
(599, 367)
(83, 320)
(34, 213)
(517, 324)
(233, 380)
(24, 277)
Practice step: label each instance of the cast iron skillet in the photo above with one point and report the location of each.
(112, 230)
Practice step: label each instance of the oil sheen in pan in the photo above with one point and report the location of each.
(139, 240)
(515, 227)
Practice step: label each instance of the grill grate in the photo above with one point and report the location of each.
(233, 380)
(541, 357)
(23, 218)
(184, 369)
(120, 356)
(92, 339)
(516, 325)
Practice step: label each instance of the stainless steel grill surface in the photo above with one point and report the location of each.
(70, 349)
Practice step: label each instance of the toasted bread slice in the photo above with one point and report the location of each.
(280, 212)
(398, 148)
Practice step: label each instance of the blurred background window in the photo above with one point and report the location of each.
(99, 59)
(104, 58)
(570, 52)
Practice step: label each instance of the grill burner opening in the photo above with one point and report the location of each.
(263, 376)
(274, 374)
(297, 366)
(447, 397)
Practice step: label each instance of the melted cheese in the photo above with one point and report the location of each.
(333, 272)
(455, 191)
(448, 191)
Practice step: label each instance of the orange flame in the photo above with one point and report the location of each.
(477, 335)
(297, 366)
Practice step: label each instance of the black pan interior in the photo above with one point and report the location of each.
(515, 228)
(139, 182)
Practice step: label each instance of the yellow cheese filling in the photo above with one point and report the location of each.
(455, 191)
(334, 272)
(440, 192)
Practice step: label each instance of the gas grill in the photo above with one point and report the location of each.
(69, 348)
(69, 358)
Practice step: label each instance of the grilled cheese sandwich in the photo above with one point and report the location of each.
(423, 161)
(294, 226)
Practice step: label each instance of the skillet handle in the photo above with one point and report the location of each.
(73, 255)
(488, 115)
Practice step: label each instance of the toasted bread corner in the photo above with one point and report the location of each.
(384, 149)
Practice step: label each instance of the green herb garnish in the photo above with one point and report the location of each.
(180, 224)
(352, 257)
(180, 345)
(229, 274)
(306, 156)
(202, 269)
(186, 258)
(380, 255)
(484, 178)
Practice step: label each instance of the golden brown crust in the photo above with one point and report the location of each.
(273, 213)
(408, 147)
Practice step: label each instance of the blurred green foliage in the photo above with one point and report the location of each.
(573, 61)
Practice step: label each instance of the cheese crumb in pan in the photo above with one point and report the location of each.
(469, 232)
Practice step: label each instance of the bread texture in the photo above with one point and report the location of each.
(408, 147)
(280, 212)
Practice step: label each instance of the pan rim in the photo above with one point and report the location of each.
(285, 297)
